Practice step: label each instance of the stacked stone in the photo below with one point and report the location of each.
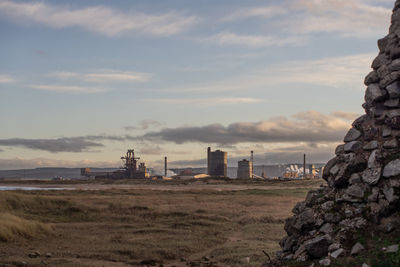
(364, 177)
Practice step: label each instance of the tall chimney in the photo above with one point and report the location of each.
(208, 160)
(252, 165)
(304, 166)
(165, 166)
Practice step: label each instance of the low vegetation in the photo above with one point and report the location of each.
(118, 227)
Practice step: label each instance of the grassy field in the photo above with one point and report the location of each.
(153, 227)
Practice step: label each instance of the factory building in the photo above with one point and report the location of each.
(217, 163)
(245, 169)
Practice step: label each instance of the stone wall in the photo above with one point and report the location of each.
(363, 179)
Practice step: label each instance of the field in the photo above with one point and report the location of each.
(192, 223)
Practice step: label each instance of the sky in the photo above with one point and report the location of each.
(81, 81)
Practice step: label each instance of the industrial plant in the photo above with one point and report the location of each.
(217, 166)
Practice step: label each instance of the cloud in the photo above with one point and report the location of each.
(338, 72)
(97, 19)
(144, 125)
(22, 163)
(229, 38)
(262, 12)
(207, 101)
(351, 18)
(4, 78)
(309, 126)
(69, 88)
(66, 144)
(103, 76)
(346, 115)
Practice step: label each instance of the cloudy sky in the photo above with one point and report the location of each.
(81, 80)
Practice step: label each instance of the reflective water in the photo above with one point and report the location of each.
(8, 188)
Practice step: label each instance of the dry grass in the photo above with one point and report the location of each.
(131, 227)
(13, 227)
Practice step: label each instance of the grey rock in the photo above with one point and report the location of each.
(372, 160)
(371, 145)
(328, 167)
(390, 144)
(392, 113)
(386, 131)
(392, 249)
(374, 195)
(393, 89)
(378, 61)
(339, 150)
(371, 176)
(375, 94)
(352, 135)
(333, 247)
(326, 228)
(365, 265)
(388, 79)
(392, 103)
(357, 248)
(355, 178)
(318, 246)
(300, 251)
(389, 227)
(348, 213)
(332, 217)
(304, 220)
(327, 205)
(372, 77)
(388, 191)
(289, 243)
(380, 207)
(356, 190)
(383, 71)
(299, 207)
(325, 262)
(334, 170)
(392, 168)
(337, 253)
(353, 146)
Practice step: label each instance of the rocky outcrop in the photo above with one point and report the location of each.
(364, 177)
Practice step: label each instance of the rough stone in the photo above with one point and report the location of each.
(393, 90)
(371, 176)
(372, 160)
(357, 248)
(355, 178)
(392, 103)
(353, 146)
(372, 77)
(374, 93)
(304, 220)
(390, 144)
(318, 246)
(333, 247)
(337, 253)
(326, 228)
(332, 217)
(392, 249)
(325, 262)
(370, 145)
(356, 191)
(392, 168)
(352, 135)
(388, 191)
(339, 150)
(386, 131)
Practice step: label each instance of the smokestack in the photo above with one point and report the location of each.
(252, 165)
(208, 160)
(165, 166)
(304, 167)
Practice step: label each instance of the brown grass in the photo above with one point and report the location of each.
(13, 227)
(129, 227)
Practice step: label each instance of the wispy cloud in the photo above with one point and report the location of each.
(103, 76)
(352, 18)
(338, 72)
(229, 38)
(98, 19)
(207, 101)
(4, 78)
(144, 125)
(262, 12)
(69, 88)
(309, 126)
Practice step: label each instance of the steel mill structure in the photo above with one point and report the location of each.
(217, 163)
